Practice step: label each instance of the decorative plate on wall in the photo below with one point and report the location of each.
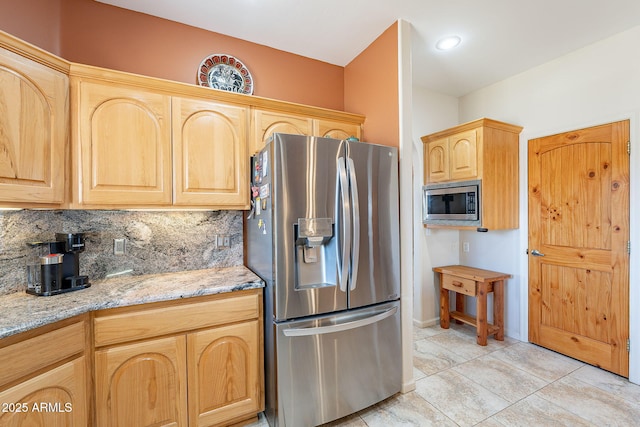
(225, 72)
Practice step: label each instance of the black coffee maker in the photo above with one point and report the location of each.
(71, 244)
(60, 265)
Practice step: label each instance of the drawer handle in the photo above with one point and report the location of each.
(457, 284)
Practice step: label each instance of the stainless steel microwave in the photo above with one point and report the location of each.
(452, 203)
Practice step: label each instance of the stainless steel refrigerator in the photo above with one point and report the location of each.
(323, 234)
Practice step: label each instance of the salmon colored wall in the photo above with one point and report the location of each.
(34, 21)
(371, 89)
(97, 34)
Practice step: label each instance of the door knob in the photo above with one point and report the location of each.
(536, 252)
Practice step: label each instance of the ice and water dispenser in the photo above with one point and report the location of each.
(316, 251)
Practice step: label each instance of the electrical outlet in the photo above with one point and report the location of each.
(119, 246)
(222, 241)
(465, 247)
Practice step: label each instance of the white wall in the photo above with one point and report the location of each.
(499, 251)
(594, 85)
(431, 112)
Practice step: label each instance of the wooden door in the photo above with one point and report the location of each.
(579, 223)
(123, 141)
(266, 123)
(463, 163)
(224, 374)
(142, 384)
(33, 131)
(55, 398)
(210, 154)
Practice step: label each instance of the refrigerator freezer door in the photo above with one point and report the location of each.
(376, 269)
(305, 179)
(335, 365)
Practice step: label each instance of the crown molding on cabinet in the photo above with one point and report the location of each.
(34, 53)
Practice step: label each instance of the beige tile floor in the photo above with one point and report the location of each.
(505, 384)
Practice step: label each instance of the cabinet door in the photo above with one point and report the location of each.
(55, 398)
(122, 138)
(267, 123)
(210, 154)
(337, 130)
(142, 384)
(224, 374)
(33, 131)
(463, 156)
(437, 161)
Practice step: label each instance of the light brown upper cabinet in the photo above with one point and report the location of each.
(121, 145)
(266, 123)
(336, 129)
(139, 142)
(210, 154)
(453, 158)
(33, 129)
(136, 143)
(485, 150)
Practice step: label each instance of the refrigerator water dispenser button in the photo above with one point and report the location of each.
(310, 254)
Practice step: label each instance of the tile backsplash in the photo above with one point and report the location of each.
(156, 242)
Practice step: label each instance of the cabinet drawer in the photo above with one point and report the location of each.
(165, 318)
(26, 357)
(459, 284)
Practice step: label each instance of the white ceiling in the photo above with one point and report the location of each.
(501, 38)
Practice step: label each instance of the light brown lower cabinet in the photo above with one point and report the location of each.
(54, 398)
(142, 384)
(203, 369)
(192, 362)
(223, 376)
(43, 377)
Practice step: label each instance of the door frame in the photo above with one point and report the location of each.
(634, 229)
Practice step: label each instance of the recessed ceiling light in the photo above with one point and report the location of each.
(449, 42)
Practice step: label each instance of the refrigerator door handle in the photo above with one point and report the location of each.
(355, 210)
(305, 332)
(343, 265)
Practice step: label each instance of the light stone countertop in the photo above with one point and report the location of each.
(22, 312)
